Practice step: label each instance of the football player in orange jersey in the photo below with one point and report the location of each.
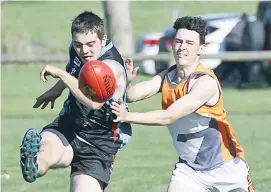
(210, 158)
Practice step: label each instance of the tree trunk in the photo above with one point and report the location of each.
(119, 27)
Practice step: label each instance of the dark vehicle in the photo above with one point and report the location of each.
(218, 26)
(264, 15)
(249, 33)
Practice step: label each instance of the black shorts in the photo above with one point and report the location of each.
(88, 159)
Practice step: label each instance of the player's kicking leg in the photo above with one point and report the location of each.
(40, 152)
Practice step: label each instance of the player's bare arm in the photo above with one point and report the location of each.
(119, 76)
(202, 91)
(142, 90)
(145, 89)
(70, 82)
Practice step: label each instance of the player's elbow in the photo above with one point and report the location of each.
(167, 119)
(97, 106)
(163, 123)
(92, 105)
(129, 99)
(130, 96)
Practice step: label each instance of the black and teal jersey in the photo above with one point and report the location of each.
(94, 126)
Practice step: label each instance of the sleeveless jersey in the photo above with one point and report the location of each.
(204, 139)
(96, 127)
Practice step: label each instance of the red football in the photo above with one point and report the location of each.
(97, 81)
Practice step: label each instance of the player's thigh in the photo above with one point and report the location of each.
(91, 160)
(185, 179)
(232, 176)
(185, 185)
(85, 183)
(61, 153)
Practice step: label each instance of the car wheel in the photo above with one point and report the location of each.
(227, 79)
(267, 72)
(268, 79)
(255, 72)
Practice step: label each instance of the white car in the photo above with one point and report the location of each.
(219, 26)
(148, 45)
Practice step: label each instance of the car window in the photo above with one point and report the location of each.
(211, 29)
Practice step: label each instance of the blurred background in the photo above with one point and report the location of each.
(238, 50)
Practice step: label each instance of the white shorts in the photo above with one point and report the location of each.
(230, 176)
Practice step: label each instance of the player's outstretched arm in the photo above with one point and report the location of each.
(70, 82)
(145, 89)
(201, 92)
(50, 96)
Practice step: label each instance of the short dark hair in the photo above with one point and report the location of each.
(88, 21)
(192, 23)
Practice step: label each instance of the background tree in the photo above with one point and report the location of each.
(119, 26)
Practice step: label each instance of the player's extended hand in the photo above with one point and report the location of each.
(49, 70)
(49, 96)
(130, 69)
(119, 110)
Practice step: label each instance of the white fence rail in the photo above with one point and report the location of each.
(225, 56)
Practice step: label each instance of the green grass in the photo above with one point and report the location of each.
(146, 163)
(49, 22)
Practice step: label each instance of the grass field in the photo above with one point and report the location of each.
(146, 163)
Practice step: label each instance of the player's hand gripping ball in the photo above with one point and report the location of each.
(97, 81)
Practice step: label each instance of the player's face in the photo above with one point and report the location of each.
(186, 47)
(88, 46)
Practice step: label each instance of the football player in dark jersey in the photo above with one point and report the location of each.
(83, 135)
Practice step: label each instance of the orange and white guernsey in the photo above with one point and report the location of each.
(204, 139)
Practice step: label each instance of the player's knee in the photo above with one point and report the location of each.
(85, 183)
(66, 158)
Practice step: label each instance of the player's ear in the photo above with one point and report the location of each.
(104, 38)
(201, 49)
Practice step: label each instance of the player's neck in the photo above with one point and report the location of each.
(185, 71)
